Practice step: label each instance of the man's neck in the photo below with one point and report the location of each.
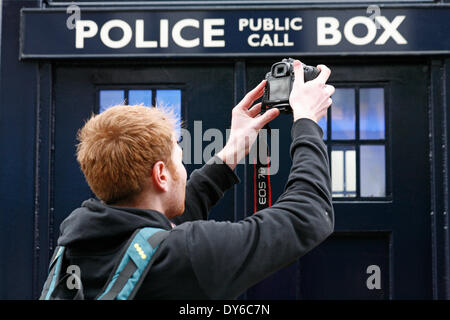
(147, 202)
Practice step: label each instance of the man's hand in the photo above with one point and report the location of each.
(311, 99)
(245, 125)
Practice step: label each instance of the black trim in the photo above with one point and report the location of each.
(356, 143)
(121, 281)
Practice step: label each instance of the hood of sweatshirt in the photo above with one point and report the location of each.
(96, 222)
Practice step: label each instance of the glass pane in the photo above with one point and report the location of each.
(337, 171)
(371, 113)
(343, 114)
(109, 98)
(350, 171)
(170, 99)
(373, 171)
(323, 125)
(136, 97)
(343, 172)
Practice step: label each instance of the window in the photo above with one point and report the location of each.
(356, 138)
(160, 97)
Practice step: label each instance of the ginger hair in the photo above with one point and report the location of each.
(118, 148)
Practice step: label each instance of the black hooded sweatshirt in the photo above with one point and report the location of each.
(206, 259)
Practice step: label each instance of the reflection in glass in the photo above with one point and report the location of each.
(170, 99)
(137, 97)
(343, 114)
(109, 98)
(373, 171)
(343, 172)
(371, 113)
(323, 125)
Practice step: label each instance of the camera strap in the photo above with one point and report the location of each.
(262, 197)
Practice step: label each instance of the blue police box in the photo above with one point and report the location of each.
(386, 133)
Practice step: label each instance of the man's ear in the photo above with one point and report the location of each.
(160, 177)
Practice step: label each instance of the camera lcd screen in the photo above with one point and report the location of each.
(280, 89)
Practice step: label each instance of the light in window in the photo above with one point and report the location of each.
(169, 99)
(323, 124)
(371, 113)
(343, 114)
(137, 97)
(373, 171)
(109, 98)
(343, 172)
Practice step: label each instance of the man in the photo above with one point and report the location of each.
(132, 163)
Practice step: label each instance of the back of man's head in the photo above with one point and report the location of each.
(118, 148)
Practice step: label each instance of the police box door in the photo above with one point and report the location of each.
(377, 138)
(201, 93)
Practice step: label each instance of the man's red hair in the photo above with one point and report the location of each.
(118, 148)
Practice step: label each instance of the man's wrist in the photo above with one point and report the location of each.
(229, 156)
(298, 116)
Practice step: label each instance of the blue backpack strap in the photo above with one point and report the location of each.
(134, 264)
(54, 273)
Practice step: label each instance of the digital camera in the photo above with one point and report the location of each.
(279, 84)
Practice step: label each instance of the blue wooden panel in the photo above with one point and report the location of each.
(340, 268)
(17, 144)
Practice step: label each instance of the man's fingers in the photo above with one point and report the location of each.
(298, 72)
(268, 116)
(253, 95)
(329, 89)
(324, 73)
(255, 110)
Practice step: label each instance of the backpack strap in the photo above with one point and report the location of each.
(134, 264)
(54, 273)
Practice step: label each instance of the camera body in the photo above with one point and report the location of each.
(279, 84)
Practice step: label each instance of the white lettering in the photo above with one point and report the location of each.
(268, 24)
(328, 33)
(251, 40)
(296, 24)
(81, 32)
(242, 24)
(328, 26)
(140, 42)
(176, 33)
(390, 30)
(360, 41)
(266, 40)
(164, 33)
(254, 27)
(116, 44)
(209, 32)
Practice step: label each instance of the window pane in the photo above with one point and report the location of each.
(323, 125)
(136, 97)
(109, 98)
(170, 99)
(337, 171)
(350, 171)
(343, 114)
(371, 113)
(373, 171)
(343, 172)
